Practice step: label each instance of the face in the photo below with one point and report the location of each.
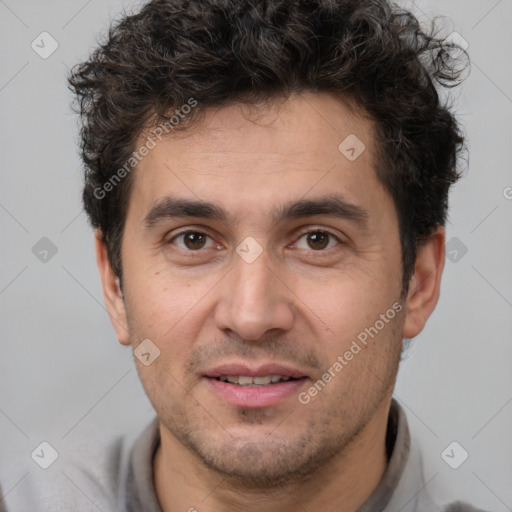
(253, 247)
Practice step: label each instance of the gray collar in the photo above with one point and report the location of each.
(402, 487)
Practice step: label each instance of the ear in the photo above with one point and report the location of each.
(112, 293)
(425, 284)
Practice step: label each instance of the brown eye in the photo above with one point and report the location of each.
(317, 240)
(191, 240)
(194, 240)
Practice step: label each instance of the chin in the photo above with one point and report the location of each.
(269, 463)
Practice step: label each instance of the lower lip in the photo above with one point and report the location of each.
(262, 396)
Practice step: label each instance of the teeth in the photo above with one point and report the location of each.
(261, 380)
(243, 380)
(278, 378)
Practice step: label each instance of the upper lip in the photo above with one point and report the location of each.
(254, 371)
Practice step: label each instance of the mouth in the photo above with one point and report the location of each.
(265, 386)
(254, 382)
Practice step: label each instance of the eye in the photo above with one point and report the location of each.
(191, 240)
(317, 240)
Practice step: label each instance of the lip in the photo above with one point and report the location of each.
(259, 371)
(254, 397)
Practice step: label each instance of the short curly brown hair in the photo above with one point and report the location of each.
(222, 51)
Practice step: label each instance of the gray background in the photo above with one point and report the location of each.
(62, 371)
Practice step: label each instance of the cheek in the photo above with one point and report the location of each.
(167, 308)
(345, 307)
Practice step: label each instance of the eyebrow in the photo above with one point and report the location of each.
(333, 205)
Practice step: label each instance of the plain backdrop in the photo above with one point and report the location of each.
(62, 370)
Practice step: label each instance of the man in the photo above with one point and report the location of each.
(268, 181)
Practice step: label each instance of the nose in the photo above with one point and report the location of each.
(254, 300)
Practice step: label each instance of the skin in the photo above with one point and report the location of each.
(298, 303)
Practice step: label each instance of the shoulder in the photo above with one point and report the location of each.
(87, 475)
(407, 476)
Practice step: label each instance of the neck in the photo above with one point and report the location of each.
(183, 483)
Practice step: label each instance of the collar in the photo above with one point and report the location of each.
(402, 486)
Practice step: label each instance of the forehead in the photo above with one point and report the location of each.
(306, 123)
(250, 159)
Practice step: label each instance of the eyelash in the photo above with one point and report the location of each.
(192, 253)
